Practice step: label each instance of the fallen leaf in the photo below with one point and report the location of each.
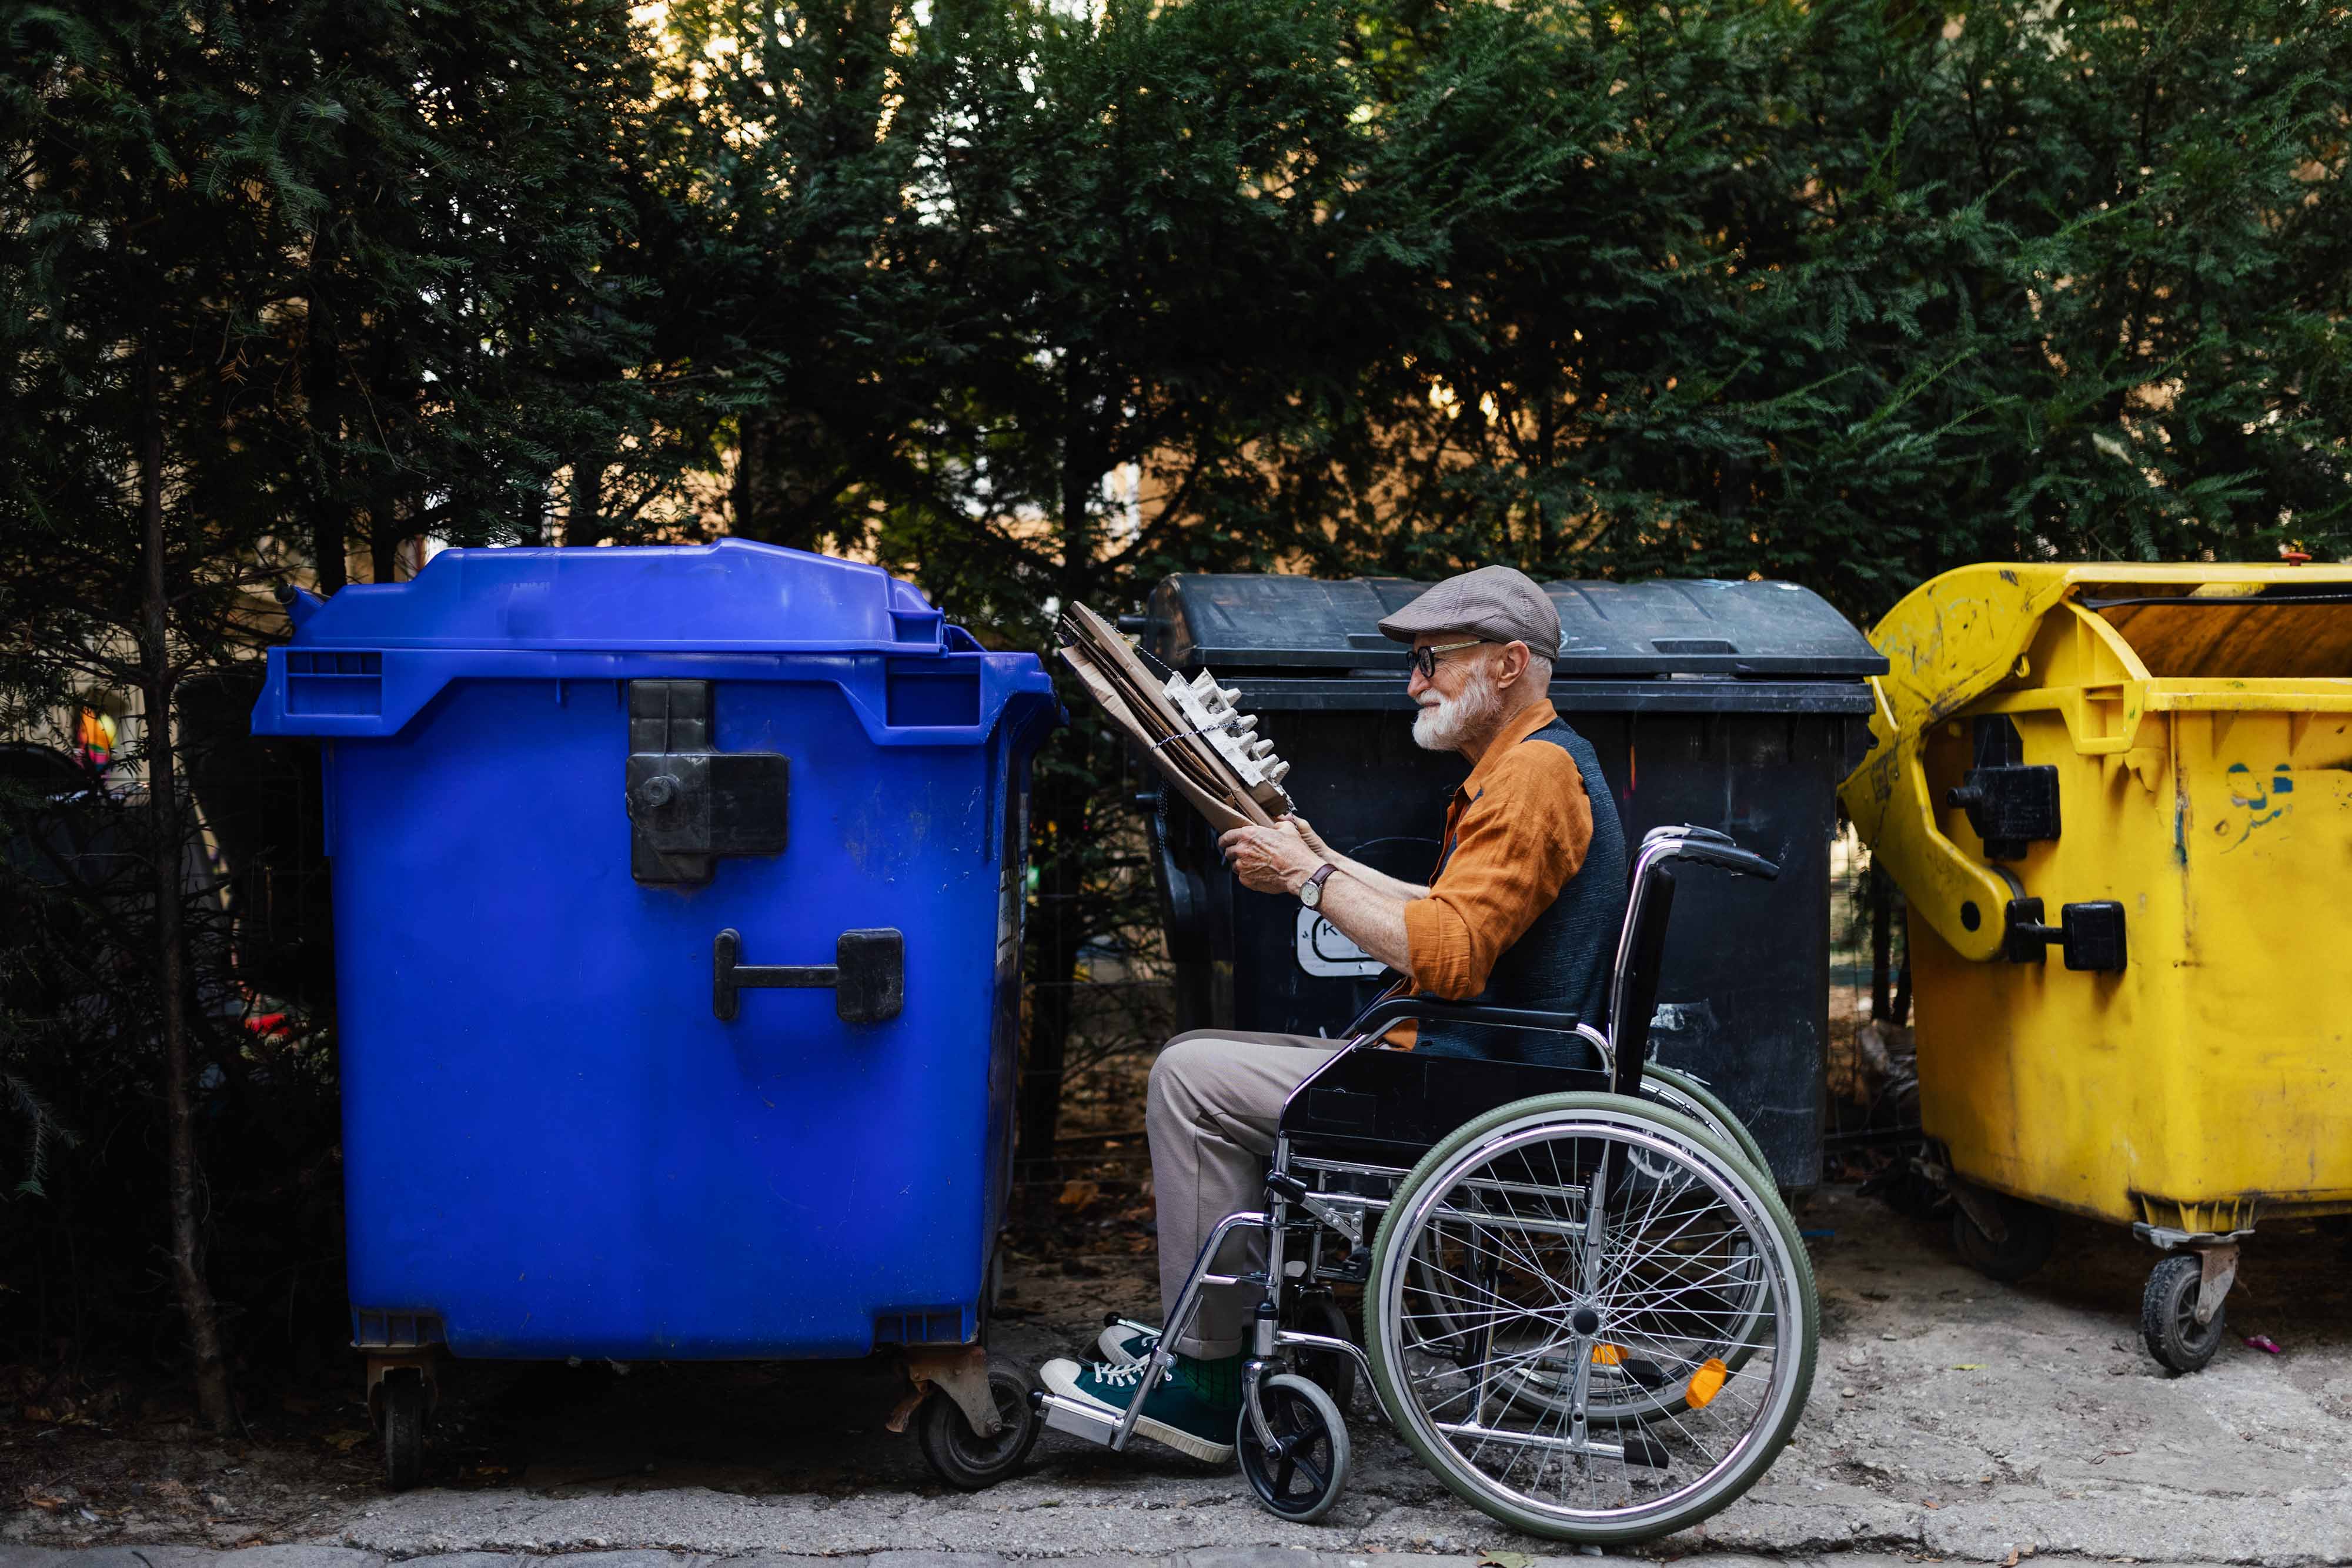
(1079, 1194)
(1969, 1367)
(1506, 1560)
(344, 1442)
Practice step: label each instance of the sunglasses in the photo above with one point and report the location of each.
(1425, 660)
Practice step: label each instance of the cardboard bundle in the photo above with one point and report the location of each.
(1191, 730)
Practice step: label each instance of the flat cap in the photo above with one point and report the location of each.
(1494, 602)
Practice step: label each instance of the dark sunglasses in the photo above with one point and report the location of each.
(1425, 660)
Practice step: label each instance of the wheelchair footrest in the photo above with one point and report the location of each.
(1078, 1420)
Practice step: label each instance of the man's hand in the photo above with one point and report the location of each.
(1271, 860)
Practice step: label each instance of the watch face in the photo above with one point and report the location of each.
(1311, 894)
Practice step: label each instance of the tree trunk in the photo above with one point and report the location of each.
(384, 553)
(1061, 815)
(328, 534)
(213, 1399)
(775, 495)
(1882, 901)
(532, 526)
(582, 523)
(1903, 983)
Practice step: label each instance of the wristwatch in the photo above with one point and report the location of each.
(1311, 892)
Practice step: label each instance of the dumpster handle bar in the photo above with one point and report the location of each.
(868, 977)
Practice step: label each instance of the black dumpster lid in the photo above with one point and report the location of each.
(1661, 626)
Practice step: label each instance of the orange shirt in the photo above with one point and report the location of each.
(1516, 831)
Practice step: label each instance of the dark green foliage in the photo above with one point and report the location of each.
(276, 281)
(1849, 293)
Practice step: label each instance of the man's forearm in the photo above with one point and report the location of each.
(1369, 918)
(1381, 882)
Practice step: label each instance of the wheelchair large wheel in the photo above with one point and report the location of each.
(1679, 1091)
(1690, 1260)
(1639, 1389)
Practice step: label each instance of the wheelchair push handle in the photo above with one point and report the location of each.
(1730, 858)
(1710, 846)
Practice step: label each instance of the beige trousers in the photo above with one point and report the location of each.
(1214, 1100)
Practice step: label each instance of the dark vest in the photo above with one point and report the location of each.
(1561, 963)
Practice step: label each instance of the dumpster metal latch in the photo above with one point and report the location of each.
(2090, 934)
(2008, 803)
(867, 976)
(687, 803)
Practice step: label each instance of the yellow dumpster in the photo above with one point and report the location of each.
(2118, 801)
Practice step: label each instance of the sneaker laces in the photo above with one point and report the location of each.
(1119, 1376)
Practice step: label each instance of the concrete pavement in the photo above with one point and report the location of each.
(1951, 1419)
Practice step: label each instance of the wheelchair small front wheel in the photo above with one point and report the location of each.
(961, 1457)
(1300, 1478)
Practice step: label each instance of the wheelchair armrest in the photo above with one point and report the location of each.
(1377, 1018)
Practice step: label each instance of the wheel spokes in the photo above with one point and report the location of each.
(1593, 1374)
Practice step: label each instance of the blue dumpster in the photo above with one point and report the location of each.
(678, 900)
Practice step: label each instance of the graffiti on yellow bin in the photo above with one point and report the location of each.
(2260, 802)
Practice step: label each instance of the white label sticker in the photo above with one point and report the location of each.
(1326, 953)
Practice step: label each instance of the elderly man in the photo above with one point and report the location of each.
(1522, 911)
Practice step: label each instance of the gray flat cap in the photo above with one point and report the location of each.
(1495, 603)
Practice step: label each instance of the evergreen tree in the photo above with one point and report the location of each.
(145, 223)
(1848, 296)
(1129, 203)
(279, 278)
(471, 318)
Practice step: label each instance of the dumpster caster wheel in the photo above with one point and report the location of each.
(403, 1431)
(2167, 1315)
(1334, 1369)
(1300, 1479)
(961, 1457)
(2032, 1233)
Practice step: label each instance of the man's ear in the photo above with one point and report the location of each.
(1510, 665)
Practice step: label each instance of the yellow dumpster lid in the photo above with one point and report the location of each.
(2202, 633)
(1956, 636)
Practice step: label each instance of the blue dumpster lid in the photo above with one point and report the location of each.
(364, 662)
(1660, 626)
(734, 595)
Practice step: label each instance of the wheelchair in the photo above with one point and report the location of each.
(1585, 1307)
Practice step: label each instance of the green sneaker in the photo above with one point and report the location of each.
(1178, 1414)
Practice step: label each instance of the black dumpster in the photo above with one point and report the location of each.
(1735, 705)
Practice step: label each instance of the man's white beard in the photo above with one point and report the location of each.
(1442, 722)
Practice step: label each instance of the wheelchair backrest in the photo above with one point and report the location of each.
(1641, 961)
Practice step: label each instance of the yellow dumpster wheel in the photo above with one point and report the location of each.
(2032, 1234)
(2168, 1314)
